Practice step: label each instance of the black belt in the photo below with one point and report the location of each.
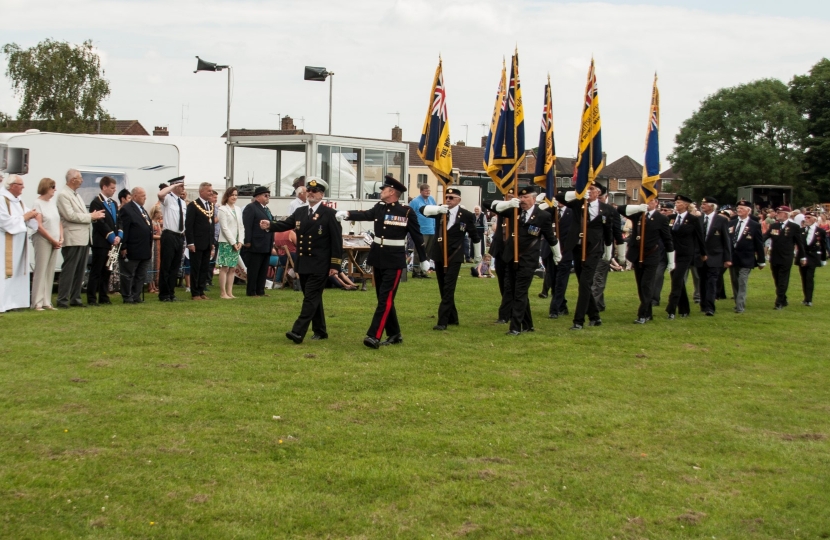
(172, 232)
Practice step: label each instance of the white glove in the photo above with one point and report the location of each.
(341, 215)
(424, 266)
(762, 265)
(621, 248)
(540, 198)
(632, 209)
(501, 206)
(557, 253)
(670, 256)
(570, 196)
(434, 210)
(477, 252)
(544, 206)
(606, 256)
(824, 263)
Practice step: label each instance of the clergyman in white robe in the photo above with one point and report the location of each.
(14, 288)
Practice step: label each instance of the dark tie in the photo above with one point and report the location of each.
(181, 216)
(310, 211)
(737, 233)
(268, 213)
(706, 225)
(677, 223)
(524, 217)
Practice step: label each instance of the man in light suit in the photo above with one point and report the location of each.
(76, 221)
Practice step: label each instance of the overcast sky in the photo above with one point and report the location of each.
(384, 54)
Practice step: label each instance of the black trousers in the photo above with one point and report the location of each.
(659, 278)
(781, 277)
(516, 286)
(808, 279)
(678, 298)
(385, 317)
(644, 274)
(708, 287)
(170, 260)
(559, 286)
(447, 279)
(97, 288)
(312, 311)
(133, 274)
(585, 270)
(199, 271)
(504, 305)
(257, 264)
(547, 281)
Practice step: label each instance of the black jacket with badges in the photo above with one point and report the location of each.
(748, 250)
(319, 239)
(600, 229)
(687, 238)
(561, 227)
(717, 241)
(465, 224)
(816, 251)
(138, 232)
(393, 222)
(106, 229)
(657, 231)
(199, 224)
(537, 226)
(786, 237)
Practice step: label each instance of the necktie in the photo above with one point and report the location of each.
(706, 225)
(310, 211)
(738, 230)
(524, 217)
(677, 222)
(181, 216)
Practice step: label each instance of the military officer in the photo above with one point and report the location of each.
(656, 230)
(534, 224)
(786, 237)
(812, 255)
(460, 222)
(747, 251)
(687, 237)
(319, 254)
(387, 256)
(502, 225)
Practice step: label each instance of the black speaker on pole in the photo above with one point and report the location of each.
(315, 73)
(202, 65)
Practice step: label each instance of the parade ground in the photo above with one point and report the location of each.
(201, 420)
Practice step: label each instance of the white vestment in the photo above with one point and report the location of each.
(14, 290)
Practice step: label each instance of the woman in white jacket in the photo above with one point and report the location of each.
(231, 234)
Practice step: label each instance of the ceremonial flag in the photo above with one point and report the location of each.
(435, 147)
(589, 156)
(546, 158)
(651, 164)
(505, 149)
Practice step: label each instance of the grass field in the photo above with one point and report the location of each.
(200, 420)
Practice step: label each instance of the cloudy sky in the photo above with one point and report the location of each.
(384, 54)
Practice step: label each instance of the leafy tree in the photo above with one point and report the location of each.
(811, 93)
(61, 85)
(748, 134)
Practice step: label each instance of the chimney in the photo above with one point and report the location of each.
(484, 141)
(461, 143)
(160, 131)
(397, 134)
(287, 124)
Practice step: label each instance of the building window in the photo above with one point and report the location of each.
(338, 165)
(491, 187)
(422, 179)
(621, 184)
(635, 195)
(666, 186)
(376, 165)
(563, 182)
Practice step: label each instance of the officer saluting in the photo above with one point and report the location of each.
(460, 222)
(387, 256)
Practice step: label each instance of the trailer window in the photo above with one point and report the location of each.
(339, 166)
(90, 188)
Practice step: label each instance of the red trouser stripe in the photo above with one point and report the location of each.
(389, 298)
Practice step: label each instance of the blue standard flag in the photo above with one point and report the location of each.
(589, 156)
(507, 142)
(435, 147)
(651, 165)
(545, 174)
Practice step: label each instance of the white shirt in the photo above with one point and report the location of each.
(452, 215)
(170, 213)
(315, 207)
(296, 203)
(593, 210)
(678, 221)
(741, 227)
(811, 231)
(709, 226)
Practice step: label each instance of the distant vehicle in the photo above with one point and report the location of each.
(767, 196)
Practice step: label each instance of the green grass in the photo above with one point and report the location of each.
(157, 421)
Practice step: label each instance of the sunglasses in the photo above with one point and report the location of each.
(450, 197)
(315, 190)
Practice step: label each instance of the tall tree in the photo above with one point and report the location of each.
(60, 84)
(811, 93)
(748, 134)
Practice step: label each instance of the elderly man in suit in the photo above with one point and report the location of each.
(811, 256)
(76, 221)
(137, 246)
(687, 237)
(785, 237)
(256, 247)
(747, 251)
(715, 230)
(198, 231)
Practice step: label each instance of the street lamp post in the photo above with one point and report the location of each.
(320, 74)
(202, 65)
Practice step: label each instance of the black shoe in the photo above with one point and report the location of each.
(62, 306)
(531, 329)
(77, 305)
(564, 311)
(393, 340)
(440, 327)
(543, 295)
(576, 327)
(128, 301)
(684, 315)
(371, 342)
(671, 316)
(425, 276)
(649, 318)
(514, 333)
(595, 322)
(318, 337)
(808, 304)
(105, 302)
(174, 299)
(296, 338)
(601, 309)
(501, 321)
(710, 313)
(641, 320)
(736, 310)
(553, 316)
(779, 307)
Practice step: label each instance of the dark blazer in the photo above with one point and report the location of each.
(392, 221)
(319, 239)
(687, 238)
(465, 224)
(256, 240)
(748, 250)
(198, 226)
(538, 226)
(616, 223)
(717, 241)
(658, 240)
(564, 227)
(138, 232)
(498, 236)
(104, 230)
(600, 229)
(816, 251)
(785, 238)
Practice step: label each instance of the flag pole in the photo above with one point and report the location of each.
(516, 220)
(443, 202)
(643, 217)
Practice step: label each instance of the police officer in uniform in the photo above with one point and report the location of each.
(319, 254)
(502, 225)
(387, 256)
(814, 254)
(786, 237)
(460, 223)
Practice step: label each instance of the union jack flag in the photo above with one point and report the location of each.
(651, 164)
(435, 147)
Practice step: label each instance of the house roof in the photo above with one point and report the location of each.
(464, 158)
(130, 127)
(625, 167)
(670, 174)
(260, 132)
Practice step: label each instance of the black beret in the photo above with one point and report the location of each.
(389, 181)
(743, 203)
(683, 198)
(710, 200)
(453, 191)
(527, 190)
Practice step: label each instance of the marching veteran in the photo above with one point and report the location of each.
(14, 246)
(392, 222)
(460, 222)
(319, 254)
